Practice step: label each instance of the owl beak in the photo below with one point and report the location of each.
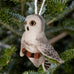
(27, 28)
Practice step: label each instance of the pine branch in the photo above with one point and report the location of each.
(57, 38)
(17, 16)
(60, 16)
(4, 45)
(11, 29)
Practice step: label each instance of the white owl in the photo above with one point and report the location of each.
(34, 43)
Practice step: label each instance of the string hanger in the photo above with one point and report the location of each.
(40, 8)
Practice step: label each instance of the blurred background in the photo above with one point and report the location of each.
(59, 18)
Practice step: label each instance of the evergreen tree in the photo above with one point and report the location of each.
(59, 17)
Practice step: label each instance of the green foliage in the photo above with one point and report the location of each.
(67, 54)
(31, 72)
(69, 25)
(55, 6)
(15, 1)
(6, 57)
(9, 17)
(65, 68)
(4, 16)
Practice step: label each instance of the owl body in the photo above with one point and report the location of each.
(35, 41)
(30, 45)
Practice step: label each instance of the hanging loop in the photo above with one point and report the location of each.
(40, 8)
(35, 6)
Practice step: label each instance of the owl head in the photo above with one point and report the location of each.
(34, 23)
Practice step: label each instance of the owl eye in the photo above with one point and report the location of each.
(32, 23)
(25, 22)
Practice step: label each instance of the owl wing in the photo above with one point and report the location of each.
(46, 49)
(23, 44)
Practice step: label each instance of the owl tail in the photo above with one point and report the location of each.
(46, 65)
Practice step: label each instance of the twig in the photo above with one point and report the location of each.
(57, 38)
(4, 45)
(51, 21)
(22, 7)
(11, 29)
(60, 16)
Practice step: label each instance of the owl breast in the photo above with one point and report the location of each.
(30, 37)
(30, 40)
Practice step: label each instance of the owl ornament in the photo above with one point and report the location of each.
(34, 43)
